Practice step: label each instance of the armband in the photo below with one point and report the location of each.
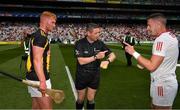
(136, 55)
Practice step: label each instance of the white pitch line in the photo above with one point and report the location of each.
(71, 82)
(178, 65)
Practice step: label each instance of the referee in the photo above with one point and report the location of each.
(89, 52)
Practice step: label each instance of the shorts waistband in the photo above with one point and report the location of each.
(166, 77)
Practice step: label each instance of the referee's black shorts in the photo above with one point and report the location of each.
(86, 79)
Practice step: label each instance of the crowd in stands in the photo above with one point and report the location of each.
(13, 31)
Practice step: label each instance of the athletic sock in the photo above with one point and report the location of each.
(90, 105)
(79, 106)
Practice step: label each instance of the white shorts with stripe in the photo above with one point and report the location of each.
(164, 92)
(34, 92)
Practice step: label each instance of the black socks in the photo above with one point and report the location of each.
(79, 105)
(90, 105)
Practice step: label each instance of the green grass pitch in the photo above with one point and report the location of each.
(121, 87)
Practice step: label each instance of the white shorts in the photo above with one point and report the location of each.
(163, 93)
(34, 92)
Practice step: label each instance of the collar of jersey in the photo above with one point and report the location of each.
(163, 32)
(43, 33)
(88, 41)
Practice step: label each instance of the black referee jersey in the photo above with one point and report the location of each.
(85, 49)
(39, 39)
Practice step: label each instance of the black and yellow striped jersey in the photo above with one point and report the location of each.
(39, 38)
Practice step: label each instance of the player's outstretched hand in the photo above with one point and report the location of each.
(129, 48)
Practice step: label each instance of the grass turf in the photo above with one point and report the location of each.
(120, 87)
(15, 95)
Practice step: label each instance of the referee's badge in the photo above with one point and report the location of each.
(86, 52)
(77, 52)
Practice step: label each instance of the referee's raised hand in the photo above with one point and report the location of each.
(101, 55)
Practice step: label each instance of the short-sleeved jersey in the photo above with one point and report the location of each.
(166, 45)
(85, 49)
(39, 39)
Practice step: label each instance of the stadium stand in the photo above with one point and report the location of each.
(115, 16)
(13, 31)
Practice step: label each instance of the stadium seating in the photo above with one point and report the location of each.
(14, 31)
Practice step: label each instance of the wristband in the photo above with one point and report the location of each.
(136, 55)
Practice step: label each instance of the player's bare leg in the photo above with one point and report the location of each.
(156, 107)
(80, 100)
(35, 104)
(45, 102)
(90, 97)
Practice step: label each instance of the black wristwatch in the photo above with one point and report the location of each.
(95, 57)
(108, 60)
